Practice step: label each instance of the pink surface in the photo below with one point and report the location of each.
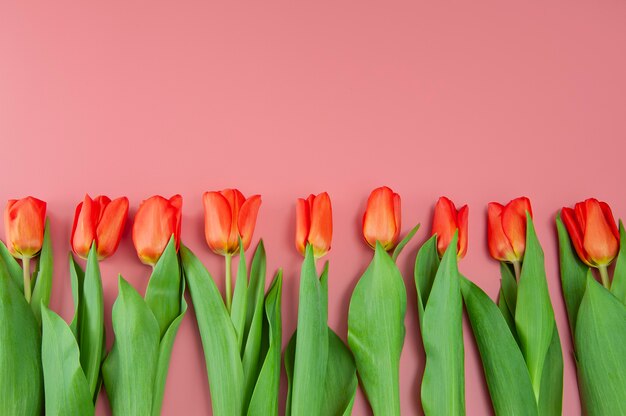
(479, 101)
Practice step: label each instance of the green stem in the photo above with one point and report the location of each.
(228, 258)
(604, 275)
(517, 266)
(26, 269)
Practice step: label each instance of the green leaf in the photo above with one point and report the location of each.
(77, 279)
(601, 351)
(404, 242)
(509, 286)
(573, 274)
(129, 369)
(20, 352)
(376, 331)
(506, 313)
(43, 281)
(443, 384)
(618, 285)
(290, 358)
(13, 268)
(534, 318)
(309, 373)
(341, 381)
(239, 307)
(91, 318)
(66, 388)
(551, 395)
(254, 321)
(264, 399)
(426, 265)
(219, 339)
(502, 360)
(163, 291)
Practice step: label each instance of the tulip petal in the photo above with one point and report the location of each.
(608, 216)
(235, 200)
(444, 223)
(176, 203)
(24, 224)
(303, 224)
(570, 219)
(217, 221)
(381, 219)
(157, 219)
(514, 224)
(499, 246)
(462, 225)
(84, 228)
(599, 239)
(321, 229)
(111, 226)
(247, 219)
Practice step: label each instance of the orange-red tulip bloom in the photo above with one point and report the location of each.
(228, 216)
(157, 219)
(506, 229)
(381, 221)
(446, 221)
(314, 224)
(100, 220)
(24, 222)
(592, 229)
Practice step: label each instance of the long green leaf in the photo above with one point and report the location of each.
(426, 265)
(264, 401)
(219, 339)
(66, 388)
(163, 291)
(573, 275)
(43, 280)
(77, 279)
(91, 329)
(503, 362)
(341, 380)
(20, 352)
(309, 374)
(239, 307)
(443, 384)
(290, 358)
(129, 369)
(601, 351)
(13, 268)
(551, 395)
(376, 331)
(618, 285)
(534, 318)
(404, 242)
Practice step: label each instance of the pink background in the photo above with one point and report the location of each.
(480, 101)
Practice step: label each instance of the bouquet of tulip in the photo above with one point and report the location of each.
(517, 338)
(320, 368)
(241, 337)
(72, 355)
(135, 369)
(378, 305)
(596, 312)
(23, 295)
(440, 307)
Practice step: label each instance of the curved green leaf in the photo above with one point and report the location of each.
(43, 276)
(551, 395)
(77, 279)
(219, 339)
(290, 358)
(601, 351)
(426, 265)
(309, 373)
(20, 352)
(502, 360)
(618, 285)
(163, 291)
(376, 331)
(66, 388)
(13, 268)
(404, 242)
(443, 384)
(130, 368)
(341, 381)
(239, 307)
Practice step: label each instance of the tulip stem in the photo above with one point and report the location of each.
(604, 275)
(228, 259)
(26, 270)
(517, 266)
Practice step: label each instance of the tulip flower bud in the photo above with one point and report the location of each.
(446, 221)
(593, 231)
(24, 221)
(314, 224)
(157, 219)
(381, 221)
(100, 220)
(228, 216)
(506, 229)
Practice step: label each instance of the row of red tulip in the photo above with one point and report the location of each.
(229, 216)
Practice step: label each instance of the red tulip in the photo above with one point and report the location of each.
(157, 219)
(314, 224)
(24, 221)
(228, 216)
(593, 232)
(446, 221)
(381, 221)
(100, 220)
(506, 229)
